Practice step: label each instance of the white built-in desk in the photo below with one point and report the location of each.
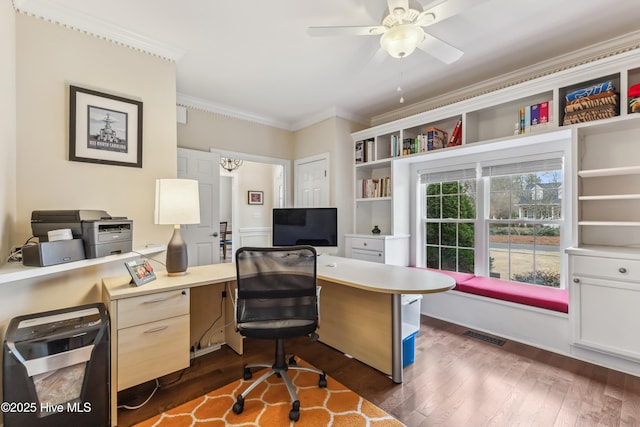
(360, 315)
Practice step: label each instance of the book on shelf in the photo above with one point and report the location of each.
(369, 150)
(359, 152)
(534, 117)
(456, 135)
(373, 188)
(436, 139)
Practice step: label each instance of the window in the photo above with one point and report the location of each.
(449, 216)
(525, 221)
(502, 218)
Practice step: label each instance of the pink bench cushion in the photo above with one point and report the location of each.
(521, 293)
(536, 296)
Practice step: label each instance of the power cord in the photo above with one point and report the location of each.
(199, 343)
(15, 255)
(143, 403)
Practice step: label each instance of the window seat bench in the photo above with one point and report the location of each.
(532, 295)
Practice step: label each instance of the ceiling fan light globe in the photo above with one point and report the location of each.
(400, 41)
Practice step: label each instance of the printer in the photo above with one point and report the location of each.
(100, 233)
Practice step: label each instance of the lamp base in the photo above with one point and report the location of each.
(177, 259)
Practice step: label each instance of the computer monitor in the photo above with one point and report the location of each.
(317, 227)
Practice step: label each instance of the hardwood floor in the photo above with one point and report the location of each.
(456, 380)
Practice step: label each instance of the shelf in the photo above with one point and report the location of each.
(611, 223)
(17, 271)
(373, 199)
(611, 197)
(594, 173)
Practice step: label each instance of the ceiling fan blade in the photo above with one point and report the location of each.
(346, 31)
(439, 49)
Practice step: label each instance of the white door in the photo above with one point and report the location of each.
(312, 182)
(203, 240)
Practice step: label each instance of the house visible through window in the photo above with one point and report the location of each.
(504, 220)
(525, 221)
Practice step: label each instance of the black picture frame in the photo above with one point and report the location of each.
(141, 271)
(117, 141)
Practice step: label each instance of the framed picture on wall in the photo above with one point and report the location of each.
(104, 128)
(256, 197)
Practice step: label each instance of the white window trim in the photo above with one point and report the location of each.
(515, 150)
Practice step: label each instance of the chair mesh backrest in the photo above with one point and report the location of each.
(276, 284)
(223, 230)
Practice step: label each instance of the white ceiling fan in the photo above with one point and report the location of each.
(402, 29)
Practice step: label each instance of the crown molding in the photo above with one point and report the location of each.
(616, 46)
(66, 17)
(226, 111)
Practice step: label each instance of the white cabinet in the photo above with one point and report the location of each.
(378, 248)
(605, 296)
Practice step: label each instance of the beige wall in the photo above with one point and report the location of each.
(205, 130)
(7, 128)
(333, 136)
(48, 59)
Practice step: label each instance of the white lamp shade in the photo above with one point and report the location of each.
(177, 202)
(402, 40)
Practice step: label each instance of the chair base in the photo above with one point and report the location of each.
(280, 368)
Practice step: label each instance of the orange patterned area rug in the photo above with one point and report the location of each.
(269, 405)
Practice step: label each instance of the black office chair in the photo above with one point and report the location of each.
(277, 298)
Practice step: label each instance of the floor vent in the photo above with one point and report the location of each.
(484, 337)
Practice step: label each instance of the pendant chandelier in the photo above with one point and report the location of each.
(230, 164)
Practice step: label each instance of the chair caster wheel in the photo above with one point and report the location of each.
(247, 375)
(238, 407)
(322, 382)
(292, 361)
(294, 414)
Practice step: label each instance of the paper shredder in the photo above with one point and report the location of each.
(56, 368)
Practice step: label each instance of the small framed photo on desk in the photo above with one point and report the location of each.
(141, 271)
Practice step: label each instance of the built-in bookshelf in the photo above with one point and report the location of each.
(607, 202)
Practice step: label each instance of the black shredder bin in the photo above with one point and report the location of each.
(57, 369)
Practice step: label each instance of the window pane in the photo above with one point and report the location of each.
(449, 234)
(433, 233)
(466, 235)
(450, 187)
(449, 256)
(450, 207)
(433, 257)
(433, 207)
(433, 189)
(500, 205)
(468, 202)
(466, 261)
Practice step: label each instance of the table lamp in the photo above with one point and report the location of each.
(177, 203)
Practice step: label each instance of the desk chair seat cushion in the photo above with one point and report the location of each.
(283, 328)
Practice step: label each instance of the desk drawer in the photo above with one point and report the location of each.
(373, 256)
(368, 244)
(148, 308)
(619, 269)
(152, 350)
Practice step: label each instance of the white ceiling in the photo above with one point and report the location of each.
(254, 58)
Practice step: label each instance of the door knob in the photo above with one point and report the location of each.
(214, 234)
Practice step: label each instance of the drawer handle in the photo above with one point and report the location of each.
(622, 270)
(157, 300)
(364, 244)
(379, 254)
(576, 280)
(157, 329)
